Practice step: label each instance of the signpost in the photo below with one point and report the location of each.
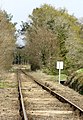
(59, 66)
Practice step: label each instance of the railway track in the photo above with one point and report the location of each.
(39, 102)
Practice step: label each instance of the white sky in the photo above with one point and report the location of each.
(20, 9)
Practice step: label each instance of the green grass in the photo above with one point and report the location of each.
(7, 85)
(63, 77)
(80, 70)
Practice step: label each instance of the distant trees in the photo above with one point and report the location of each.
(20, 55)
(7, 40)
(53, 35)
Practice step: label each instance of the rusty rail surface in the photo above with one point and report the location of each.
(58, 96)
(21, 98)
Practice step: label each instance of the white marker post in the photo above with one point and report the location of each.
(59, 66)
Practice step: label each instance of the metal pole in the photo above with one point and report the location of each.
(59, 74)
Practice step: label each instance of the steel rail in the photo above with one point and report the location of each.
(21, 99)
(60, 97)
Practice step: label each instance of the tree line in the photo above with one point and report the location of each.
(7, 40)
(53, 35)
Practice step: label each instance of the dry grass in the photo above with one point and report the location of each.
(9, 104)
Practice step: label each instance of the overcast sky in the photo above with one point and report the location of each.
(20, 9)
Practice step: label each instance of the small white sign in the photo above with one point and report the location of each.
(59, 64)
